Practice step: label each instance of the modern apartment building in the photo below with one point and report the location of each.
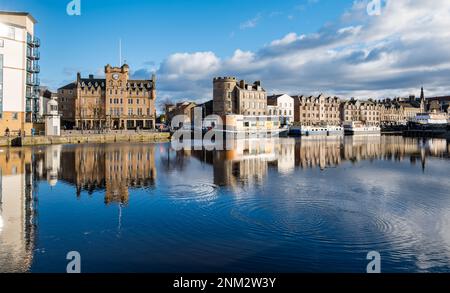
(231, 96)
(113, 102)
(315, 111)
(19, 72)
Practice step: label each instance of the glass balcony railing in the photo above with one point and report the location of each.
(34, 68)
(33, 41)
(35, 81)
(33, 54)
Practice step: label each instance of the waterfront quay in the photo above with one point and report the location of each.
(78, 137)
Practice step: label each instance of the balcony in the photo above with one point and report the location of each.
(33, 41)
(33, 81)
(33, 54)
(34, 68)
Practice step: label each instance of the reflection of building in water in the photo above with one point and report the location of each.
(357, 148)
(392, 148)
(113, 168)
(246, 164)
(321, 153)
(16, 210)
(285, 153)
(128, 166)
(52, 163)
(248, 161)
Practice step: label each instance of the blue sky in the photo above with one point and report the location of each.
(187, 43)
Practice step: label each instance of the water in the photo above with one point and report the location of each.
(267, 206)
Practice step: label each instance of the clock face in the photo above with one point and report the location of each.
(115, 76)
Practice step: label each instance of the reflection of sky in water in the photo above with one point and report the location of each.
(291, 207)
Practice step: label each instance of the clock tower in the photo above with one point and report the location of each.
(116, 79)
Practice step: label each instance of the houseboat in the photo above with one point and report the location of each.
(316, 130)
(359, 128)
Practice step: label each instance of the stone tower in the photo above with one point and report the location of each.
(223, 95)
(422, 101)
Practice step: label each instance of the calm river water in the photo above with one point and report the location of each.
(267, 206)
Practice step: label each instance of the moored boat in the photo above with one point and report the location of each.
(316, 130)
(359, 128)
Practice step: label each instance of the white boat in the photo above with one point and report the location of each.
(429, 122)
(359, 128)
(316, 130)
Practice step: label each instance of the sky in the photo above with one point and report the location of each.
(292, 46)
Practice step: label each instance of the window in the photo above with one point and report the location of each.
(15, 116)
(130, 112)
(8, 32)
(2, 43)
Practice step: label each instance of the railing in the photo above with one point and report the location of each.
(33, 41)
(34, 68)
(33, 54)
(33, 81)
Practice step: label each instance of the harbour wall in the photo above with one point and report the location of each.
(83, 139)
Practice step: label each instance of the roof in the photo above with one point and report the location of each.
(101, 82)
(440, 99)
(19, 13)
(69, 86)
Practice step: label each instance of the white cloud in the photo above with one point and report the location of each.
(395, 53)
(193, 66)
(251, 23)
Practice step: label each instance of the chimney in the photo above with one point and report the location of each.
(242, 84)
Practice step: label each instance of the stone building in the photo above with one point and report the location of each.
(411, 107)
(367, 112)
(207, 108)
(182, 108)
(392, 112)
(439, 104)
(315, 111)
(113, 102)
(231, 96)
(281, 106)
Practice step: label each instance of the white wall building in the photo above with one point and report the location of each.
(283, 105)
(19, 69)
(52, 119)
